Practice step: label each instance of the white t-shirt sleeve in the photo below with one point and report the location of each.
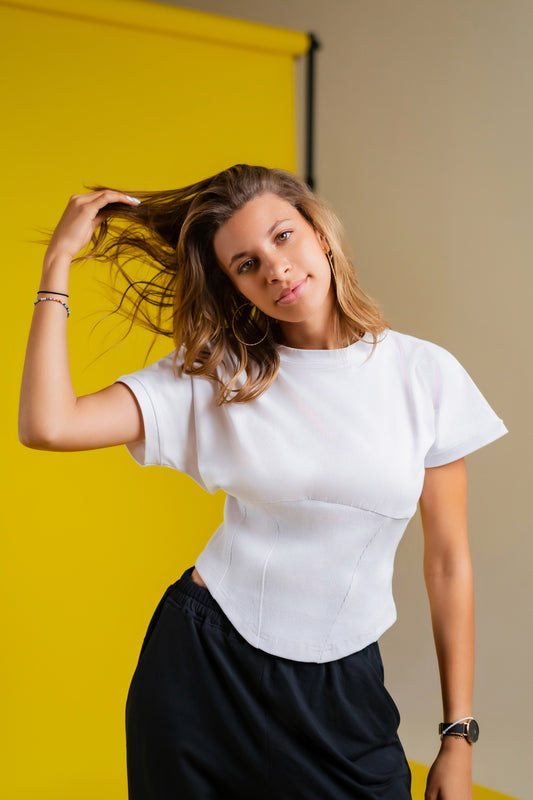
(167, 407)
(463, 419)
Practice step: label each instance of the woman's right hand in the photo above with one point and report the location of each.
(83, 214)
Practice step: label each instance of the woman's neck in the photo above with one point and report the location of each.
(303, 337)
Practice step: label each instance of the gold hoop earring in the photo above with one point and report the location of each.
(247, 344)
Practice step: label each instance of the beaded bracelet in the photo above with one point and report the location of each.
(55, 300)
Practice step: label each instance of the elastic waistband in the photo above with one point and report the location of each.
(186, 589)
(198, 601)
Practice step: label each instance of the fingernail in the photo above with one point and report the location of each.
(133, 199)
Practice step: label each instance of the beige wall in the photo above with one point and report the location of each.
(424, 132)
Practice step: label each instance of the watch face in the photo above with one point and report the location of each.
(472, 731)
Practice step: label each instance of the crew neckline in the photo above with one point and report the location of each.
(356, 352)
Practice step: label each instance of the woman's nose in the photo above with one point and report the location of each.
(276, 267)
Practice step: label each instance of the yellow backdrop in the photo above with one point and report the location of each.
(131, 95)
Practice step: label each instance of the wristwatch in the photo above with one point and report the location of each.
(468, 729)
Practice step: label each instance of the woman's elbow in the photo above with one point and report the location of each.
(37, 437)
(450, 566)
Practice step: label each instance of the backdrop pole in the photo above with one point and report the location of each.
(314, 45)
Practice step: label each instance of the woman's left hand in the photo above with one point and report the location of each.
(450, 777)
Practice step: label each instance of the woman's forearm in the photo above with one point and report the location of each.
(47, 396)
(449, 586)
(450, 592)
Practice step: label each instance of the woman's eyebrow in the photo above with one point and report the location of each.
(268, 233)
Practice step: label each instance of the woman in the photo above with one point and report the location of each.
(260, 674)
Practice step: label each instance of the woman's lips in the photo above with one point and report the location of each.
(293, 292)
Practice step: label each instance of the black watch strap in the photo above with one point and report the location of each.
(469, 730)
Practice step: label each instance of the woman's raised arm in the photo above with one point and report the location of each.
(51, 416)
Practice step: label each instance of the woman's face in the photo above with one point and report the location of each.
(277, 261)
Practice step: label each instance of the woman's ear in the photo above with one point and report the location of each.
(324, 244)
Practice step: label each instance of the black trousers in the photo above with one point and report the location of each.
(209, 716)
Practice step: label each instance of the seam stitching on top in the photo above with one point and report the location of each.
(230, 556)
(263, 579)
(333, 503)
(348, 590)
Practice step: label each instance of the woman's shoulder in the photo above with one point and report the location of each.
(417, 350)
(424, 362)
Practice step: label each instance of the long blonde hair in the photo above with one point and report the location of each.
(190, 298)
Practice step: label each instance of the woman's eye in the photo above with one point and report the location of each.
(247, 265)
(284, 235)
